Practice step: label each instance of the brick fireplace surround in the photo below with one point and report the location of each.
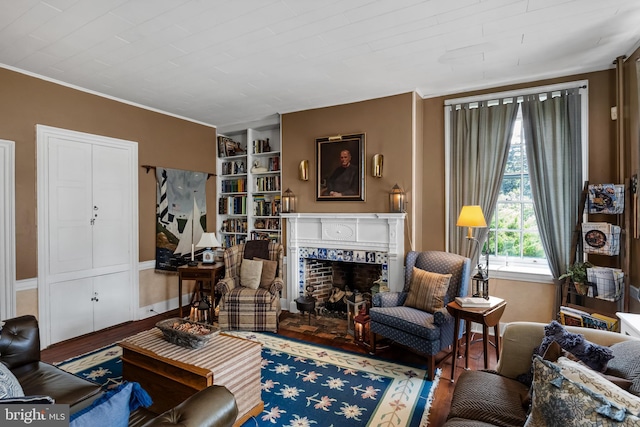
(366, 238)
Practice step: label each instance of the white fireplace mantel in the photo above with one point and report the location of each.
(381, 234)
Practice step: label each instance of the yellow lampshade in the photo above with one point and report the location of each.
(471, 216)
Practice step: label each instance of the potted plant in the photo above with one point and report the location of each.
(578, 274)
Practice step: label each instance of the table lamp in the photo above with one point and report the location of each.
(471, 216)
(208, 241)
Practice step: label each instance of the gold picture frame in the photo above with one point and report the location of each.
(341, 168)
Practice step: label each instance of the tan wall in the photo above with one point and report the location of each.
(162, 140)
(525, 301)
(388, 125)
(632, 137)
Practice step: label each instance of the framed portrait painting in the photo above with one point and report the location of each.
(340, 164)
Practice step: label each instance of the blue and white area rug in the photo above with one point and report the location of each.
(310, 385)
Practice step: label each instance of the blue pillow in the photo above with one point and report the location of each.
(593, 355)
(113, 408)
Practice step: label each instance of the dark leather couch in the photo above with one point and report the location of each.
(20, 352)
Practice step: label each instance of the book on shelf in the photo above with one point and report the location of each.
(466, 302)
(574, 317)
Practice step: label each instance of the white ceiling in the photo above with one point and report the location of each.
(224, 62)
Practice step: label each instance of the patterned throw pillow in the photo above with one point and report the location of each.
(9, 385)
(427, 290)
(626, 363)
(250, 272)
(579, 373)
(269, 269)
(560, 402)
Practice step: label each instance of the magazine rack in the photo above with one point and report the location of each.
(602, 239)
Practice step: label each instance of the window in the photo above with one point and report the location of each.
(513, 231)
(513, 244)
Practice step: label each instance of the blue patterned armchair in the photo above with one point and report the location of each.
(427, 333)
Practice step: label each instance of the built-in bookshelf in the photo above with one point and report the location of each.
(249, 185)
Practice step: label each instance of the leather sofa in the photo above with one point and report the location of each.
(496, 398)
(20, 352)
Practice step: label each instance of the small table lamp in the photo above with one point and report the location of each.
(209, 241)
(471, 216)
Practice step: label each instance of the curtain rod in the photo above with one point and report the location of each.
(576, 84)
(149, 167)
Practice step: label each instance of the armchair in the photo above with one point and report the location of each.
(428, 333)
(245, 308)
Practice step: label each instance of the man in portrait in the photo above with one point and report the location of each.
(344, 181)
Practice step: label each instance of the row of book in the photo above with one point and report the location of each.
(264, 235)
(234, 225)
(227, 147)
(232, 205)
(267, 224)
(266, 207)
(261, 146)
(233, 168)
(238, 185)
(268, 183)
(574, 317)
(229, 240)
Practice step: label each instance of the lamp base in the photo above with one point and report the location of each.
(192, 263)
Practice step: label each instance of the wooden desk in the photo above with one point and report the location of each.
(486, 316)
(170, 373)
(202, 273)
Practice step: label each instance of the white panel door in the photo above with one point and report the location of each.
(70, 243)
(111, 206)
(71, 308)
(112, 304)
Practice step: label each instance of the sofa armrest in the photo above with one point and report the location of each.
(441, 317)
(20, 341)
(213, 406)
(519, 339)
(276, 286)
(225, 285)
(389, 299)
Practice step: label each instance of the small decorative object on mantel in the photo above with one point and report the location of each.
(397, 199)
(288, 201)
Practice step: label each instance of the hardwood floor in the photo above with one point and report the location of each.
(442, 397)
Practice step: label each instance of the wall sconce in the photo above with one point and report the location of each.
(288, 201)
(376, 165)
(397, 199)
(303, 170)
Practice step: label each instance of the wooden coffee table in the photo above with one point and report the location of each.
(170, 373)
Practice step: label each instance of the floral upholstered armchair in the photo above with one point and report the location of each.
(417, 317)
(250, 290)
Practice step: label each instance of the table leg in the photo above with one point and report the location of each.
(180, 297)
(496, 335)
(468, 346)
(456, 331)
(485, 343)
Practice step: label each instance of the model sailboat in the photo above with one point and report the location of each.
(190, 234)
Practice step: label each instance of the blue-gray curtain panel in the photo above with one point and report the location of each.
(553, 131)
(181, 216)
(480, 140)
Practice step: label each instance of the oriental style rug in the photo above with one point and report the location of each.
(311, 385)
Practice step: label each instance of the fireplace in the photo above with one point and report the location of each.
(374, 241)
